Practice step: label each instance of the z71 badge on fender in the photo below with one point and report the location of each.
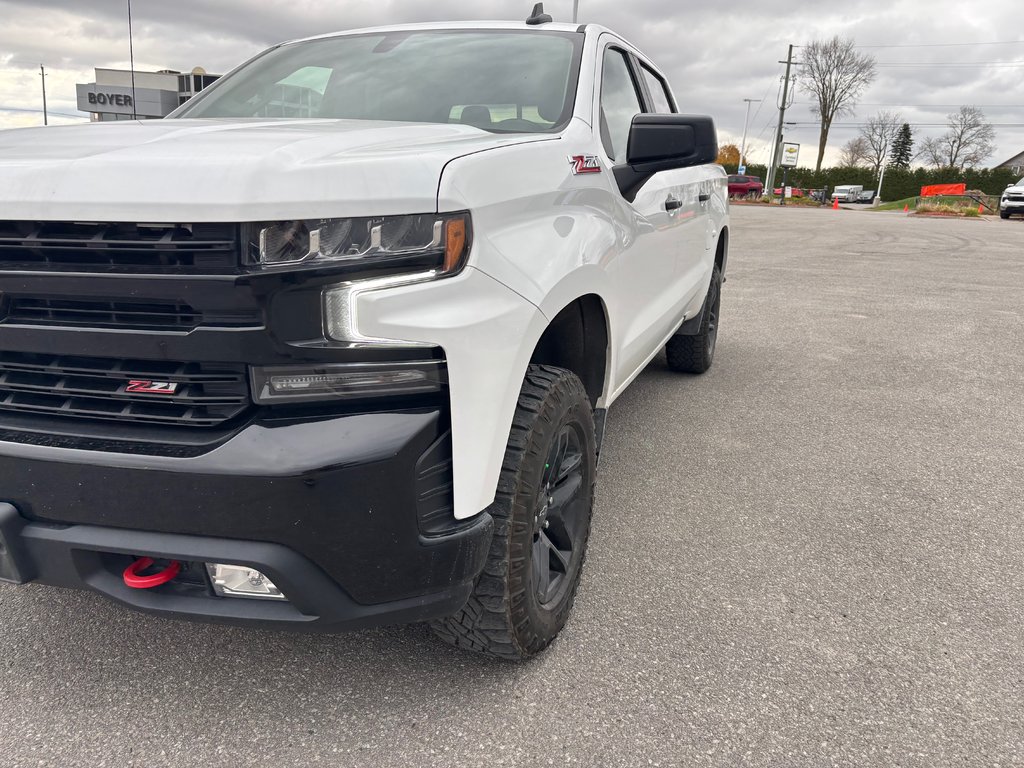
(152, 387)
(584, 164)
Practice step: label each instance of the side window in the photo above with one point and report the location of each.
(619, 104)
(659, 93)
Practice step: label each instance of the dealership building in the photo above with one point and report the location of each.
(154, 95)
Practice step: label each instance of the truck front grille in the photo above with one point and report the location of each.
(112, 247)
(183, 394)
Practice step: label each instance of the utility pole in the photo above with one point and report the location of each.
(575, 10)
(743, 145)
(42, 74)
(782, 116)
(131, 56)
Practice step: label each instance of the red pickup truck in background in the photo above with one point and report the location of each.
(745, 186)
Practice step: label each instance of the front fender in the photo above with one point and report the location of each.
(488, 333)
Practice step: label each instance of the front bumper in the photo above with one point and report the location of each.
(1014, 206)
(342, 514)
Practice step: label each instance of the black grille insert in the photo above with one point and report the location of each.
(133, 315)
(115, 247)
(136, 315)
(194, 394)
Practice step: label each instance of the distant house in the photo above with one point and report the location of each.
(1015, 163)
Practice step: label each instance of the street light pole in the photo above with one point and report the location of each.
(743, 144)
(42, 74)
(575, 10)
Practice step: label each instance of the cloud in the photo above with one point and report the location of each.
(714, 54)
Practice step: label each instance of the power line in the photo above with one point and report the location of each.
(39, 112)
(918, 125)
(943, 45)
(955, 65)
(764, 96)
(882, 104)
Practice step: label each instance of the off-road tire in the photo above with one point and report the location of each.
(694, 354)
(505, 616)
(1004, 214)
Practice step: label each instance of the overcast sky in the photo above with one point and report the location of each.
(715, 54)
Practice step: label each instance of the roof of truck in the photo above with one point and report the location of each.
(553, 26)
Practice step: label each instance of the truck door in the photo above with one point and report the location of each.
(663, 224)
(694, 228)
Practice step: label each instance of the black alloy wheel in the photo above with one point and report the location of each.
(558, 530)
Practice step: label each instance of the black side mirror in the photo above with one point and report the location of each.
(664, 143)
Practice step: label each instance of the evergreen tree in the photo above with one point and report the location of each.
(902, 148)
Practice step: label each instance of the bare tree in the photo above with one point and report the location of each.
(930, 153)
(969, 140)
(856, 153)
(879, 133)
(835, 74)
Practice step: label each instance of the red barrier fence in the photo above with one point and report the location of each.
(943, 189)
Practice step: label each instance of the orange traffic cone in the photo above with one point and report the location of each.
(981, 208)
(906, 208)
(835, 203)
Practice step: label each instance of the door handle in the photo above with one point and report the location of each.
(673, 204)
(704, 197)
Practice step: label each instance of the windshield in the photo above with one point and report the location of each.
(494, 80)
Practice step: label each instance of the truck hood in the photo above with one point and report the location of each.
(231, 170)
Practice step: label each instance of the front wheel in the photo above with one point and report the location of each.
(694, 354)
(1004, 214)
(541, 517)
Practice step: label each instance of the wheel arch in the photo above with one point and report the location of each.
(722, 250)
(578, 339)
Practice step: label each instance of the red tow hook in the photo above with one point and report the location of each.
(135, 581)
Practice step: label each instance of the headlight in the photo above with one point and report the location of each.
(430, 241)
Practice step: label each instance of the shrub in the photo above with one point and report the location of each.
(898, 183)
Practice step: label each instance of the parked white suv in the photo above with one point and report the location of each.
(333, 345)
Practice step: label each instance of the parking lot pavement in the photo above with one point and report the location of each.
(811, 556)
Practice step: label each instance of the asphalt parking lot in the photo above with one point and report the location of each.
(811, 556)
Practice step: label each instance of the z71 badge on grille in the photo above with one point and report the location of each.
(584, 164)
(152, 387)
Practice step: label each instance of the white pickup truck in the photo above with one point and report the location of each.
(333, 345)
(1012, 200)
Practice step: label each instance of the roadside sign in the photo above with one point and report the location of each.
(789, 192)
(741, 170)
(790, 153)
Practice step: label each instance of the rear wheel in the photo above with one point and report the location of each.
(542, 516)
(694, 354)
